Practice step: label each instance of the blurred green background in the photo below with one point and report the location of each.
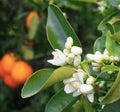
(32, 46)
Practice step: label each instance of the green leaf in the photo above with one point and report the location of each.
(114, 92)
(58, 29)
(59, 102)
(34, 84)
(44, 78)
(87, 105)
(99, 44)
(112, 47)
(106, 20)
(110, 68)
(116, 36)
(114, 107)
(79, 107)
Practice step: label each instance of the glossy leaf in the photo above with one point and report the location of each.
(112, 47)
(114, 92)
(108, 19)
(58, 29)
(99, 44)
(34, 84)
(59, 102)
(44, 78)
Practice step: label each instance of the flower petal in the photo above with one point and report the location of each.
(68, 88)
(90, 97)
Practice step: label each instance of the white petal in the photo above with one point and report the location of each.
(86, 89)
(76, 50)
(77, 61)
(90, 97)
(90, 56)
(56, 62)
(69, 89)
(77, 93)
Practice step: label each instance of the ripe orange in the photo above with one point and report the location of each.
(30, 17)
(21, 70)
(10, 82)
(7, 61)
(2, 72)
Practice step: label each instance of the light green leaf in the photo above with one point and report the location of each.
(99, 44)
(112, 47)
(59, 102)
(114, 92)
(110, 68)
(44, 78)
(58, 29)
(116, 36)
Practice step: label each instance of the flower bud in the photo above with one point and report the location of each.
(90, 80)
(76, 50)
(77, 60)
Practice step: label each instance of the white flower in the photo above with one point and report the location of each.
(59, 58)
(69, 43)
(76, 50)
(76, 85)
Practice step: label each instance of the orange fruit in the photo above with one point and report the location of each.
(10, 82)
(21, 70)
(7, 61)
(30, 17)
(2, 72)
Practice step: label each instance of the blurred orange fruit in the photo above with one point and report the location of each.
(7, 61)
(30, 17)
(21, 70)
(10, 82)
(2, 72)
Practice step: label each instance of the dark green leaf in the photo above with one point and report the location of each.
(34, 84)
(59, 102)
(114, 107)
(79, 107)
(44, 78)
(114, 92)
(58, 29)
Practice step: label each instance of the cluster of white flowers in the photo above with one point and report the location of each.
(70, 55)
(99, 59)
(80, 83)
